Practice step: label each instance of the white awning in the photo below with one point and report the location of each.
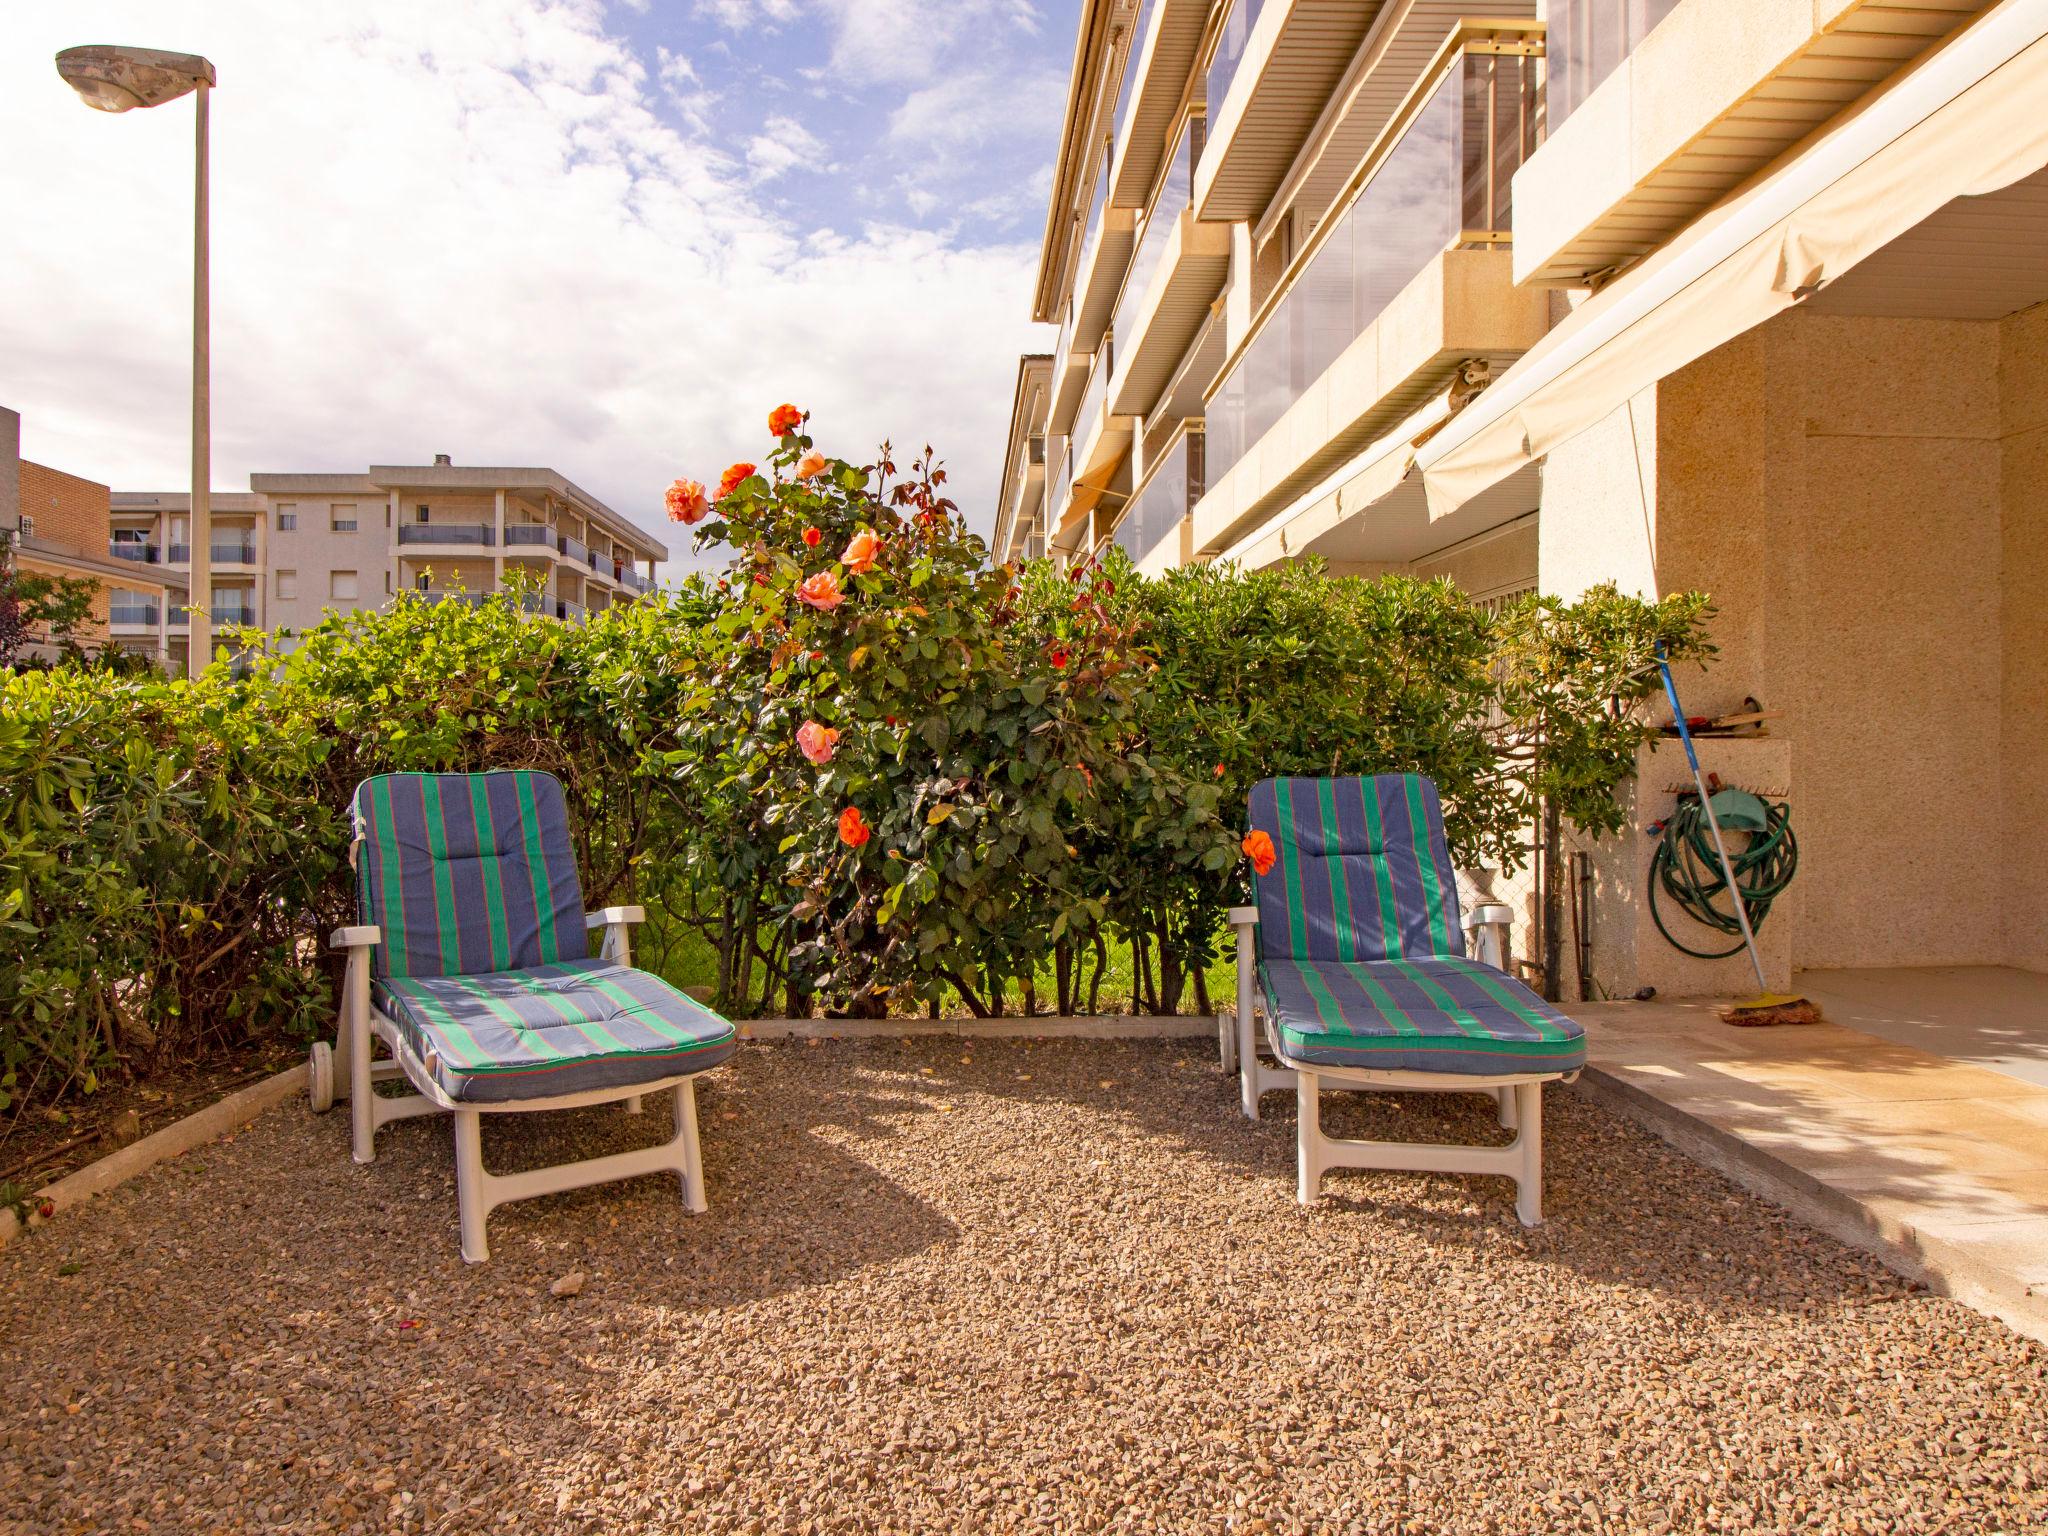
(1969, 120)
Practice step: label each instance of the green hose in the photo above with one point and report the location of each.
(1689, 873)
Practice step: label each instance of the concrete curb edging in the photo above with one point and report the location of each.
(1947, 1268)
(174, 1140)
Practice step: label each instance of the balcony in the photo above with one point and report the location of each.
(1105, 254)
(221, 613)
(238, 553)
(133, 615)
(1059, 482)
(1069, 377)
(633, 581)
(466, 534)
(1276, 66)
(1180, 267)
(178, 554)
(569, 611)
(1165, 40)
(129, 549)
(1660, 108)
(573, 548)
(1160, 506)
(1390, 299)
(529, 534)
(1101, 437)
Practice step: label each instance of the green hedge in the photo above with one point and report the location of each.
(1010, 771)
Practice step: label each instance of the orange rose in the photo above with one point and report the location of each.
(817, 742)
(1258, 847)
(812, 538)
(812, 463)
(861, 550)
(686, 503)
(853, 830)
(731, 478)
(783, 420)
(821, 592)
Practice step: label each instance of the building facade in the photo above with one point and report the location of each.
(298, 547)
(60, 525)
(1742, 296)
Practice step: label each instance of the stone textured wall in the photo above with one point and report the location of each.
(1864, 499)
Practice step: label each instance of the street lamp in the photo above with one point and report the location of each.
(119, 80)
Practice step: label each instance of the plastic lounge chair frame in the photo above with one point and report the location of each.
(1518, 1097)
(351, 1073)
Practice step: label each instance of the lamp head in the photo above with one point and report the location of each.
(119, 79)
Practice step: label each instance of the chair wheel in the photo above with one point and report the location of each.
(320, 1077)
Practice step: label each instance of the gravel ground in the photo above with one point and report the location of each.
(1008, 1286)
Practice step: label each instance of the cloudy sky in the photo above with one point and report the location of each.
(606, 237)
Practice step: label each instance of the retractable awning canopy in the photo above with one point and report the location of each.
(1969, 121)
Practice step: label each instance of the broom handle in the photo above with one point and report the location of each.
(1713, 822)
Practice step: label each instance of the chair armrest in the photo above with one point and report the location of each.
(610, 915)
(1244, 917)
(356, 938)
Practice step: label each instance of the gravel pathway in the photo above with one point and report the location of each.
(1006, 1286)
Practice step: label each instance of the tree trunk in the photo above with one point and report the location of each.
(1063, 978)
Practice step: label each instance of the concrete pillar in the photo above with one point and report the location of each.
(498, 542)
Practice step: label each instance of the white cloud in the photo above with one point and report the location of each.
(462, 229)
(737, 14)
(783, 143)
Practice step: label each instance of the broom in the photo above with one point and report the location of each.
(1767, 1007)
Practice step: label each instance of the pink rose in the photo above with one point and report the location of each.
(817, 742)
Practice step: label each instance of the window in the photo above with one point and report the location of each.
(423, 582)
(28, 526)
(341, 520)
(287, 518)
(287, 584)
(341, 586)
(387, 581)
(423, 513)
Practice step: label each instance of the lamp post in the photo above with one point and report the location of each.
(119, 80)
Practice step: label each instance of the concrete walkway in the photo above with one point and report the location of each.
(1914, 1122)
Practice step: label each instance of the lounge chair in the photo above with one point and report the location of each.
(471, 966)
(1356, 954)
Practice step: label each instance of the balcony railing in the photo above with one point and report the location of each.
(1127, 92)
(222, 613)
(528, 533)
(1587, 40)
(1090, 410)
(129, 549)
(233, 554)
(144, 614)
(178, 554)
(573, 547)
(460, 599)
(1231, 43)
(1096, 207)
(446, 533)
(568, 612)
(1059, 479)
(1169, 493)
(1169, 202)
(1442, 182)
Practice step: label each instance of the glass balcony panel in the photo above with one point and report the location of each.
(1447, 174)
(528, 533)
(447, 533)
(1230, 47)
(1174, 196)
(179, 554)
(132, 549)
(1128, 91)
(132, 613)
(1095, 209)
(233, 554)
(1090, 413)
(1168, 495)
(1586, 40)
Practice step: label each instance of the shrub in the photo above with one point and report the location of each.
(863, 766)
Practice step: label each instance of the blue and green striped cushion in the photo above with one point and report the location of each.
(468, 873)
(552, 1030)
(1438, 1015)
(1363, 871)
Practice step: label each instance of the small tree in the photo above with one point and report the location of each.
(31, 604)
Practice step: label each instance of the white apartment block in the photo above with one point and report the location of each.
(297, 547)
(1742, 296)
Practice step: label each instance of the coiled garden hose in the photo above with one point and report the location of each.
(1689, 873)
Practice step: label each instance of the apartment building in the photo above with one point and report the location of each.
(1735, 295)
(299, 546)
(59, 525)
